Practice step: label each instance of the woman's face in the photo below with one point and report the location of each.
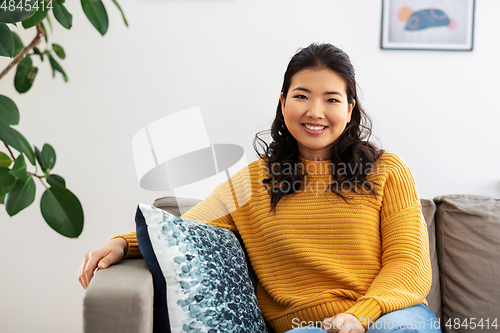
(316, 111)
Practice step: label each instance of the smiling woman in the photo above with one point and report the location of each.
(318, 118)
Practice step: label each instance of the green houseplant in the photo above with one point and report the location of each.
(60, 208)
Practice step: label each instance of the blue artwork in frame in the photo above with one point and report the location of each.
(428, 24)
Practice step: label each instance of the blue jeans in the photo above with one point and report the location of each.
(415, 319)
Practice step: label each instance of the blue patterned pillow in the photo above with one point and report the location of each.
(200, 278)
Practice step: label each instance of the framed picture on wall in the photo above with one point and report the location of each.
(427, 24)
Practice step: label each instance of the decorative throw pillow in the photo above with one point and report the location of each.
(200, 278)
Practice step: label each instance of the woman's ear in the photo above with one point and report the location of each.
(349, 112)
(282, 102)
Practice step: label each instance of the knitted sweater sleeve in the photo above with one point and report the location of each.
(405, 277)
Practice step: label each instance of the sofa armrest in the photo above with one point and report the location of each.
(120, 299)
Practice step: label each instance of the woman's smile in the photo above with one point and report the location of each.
(315, 129)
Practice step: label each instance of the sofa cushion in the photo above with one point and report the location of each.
(468, 241)
(199, 275)
(434, 296)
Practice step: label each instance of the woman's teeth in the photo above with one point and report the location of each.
(315, 128)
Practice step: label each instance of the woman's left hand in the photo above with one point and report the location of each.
(343, 323)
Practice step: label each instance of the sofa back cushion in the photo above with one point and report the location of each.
(434, 296)
(175, 205)
(468, 241)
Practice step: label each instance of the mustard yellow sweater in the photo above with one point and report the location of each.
(318, 255)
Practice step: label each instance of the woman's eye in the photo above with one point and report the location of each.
(332, 100)
(301, 97)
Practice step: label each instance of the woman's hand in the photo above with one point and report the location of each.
(343, 323)
(110, 253)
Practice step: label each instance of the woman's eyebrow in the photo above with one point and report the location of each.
(326, 93)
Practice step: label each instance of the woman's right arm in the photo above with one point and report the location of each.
(212, 209)
(216, 209)
(110, 253)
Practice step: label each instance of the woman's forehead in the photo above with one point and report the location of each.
(318, 80)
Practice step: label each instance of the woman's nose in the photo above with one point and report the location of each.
(316, 110)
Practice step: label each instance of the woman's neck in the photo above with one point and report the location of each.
(315, 167)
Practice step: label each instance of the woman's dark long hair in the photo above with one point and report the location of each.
(352, 148)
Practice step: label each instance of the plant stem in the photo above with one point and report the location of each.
(37, 176)
(40, 33)
(30, 173)
(10, 151)
(41, 181)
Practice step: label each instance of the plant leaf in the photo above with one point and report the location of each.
(37, 51)
(9, 136)
(5, 160)
(19, 168)
(8, 111)
(18, 44)
(6, 41)
(62, 15)
(2, 199)
(121, 11)
(7, 181)
(39, 15)
(48, 156)
(58, 50)
(38, 155)
(25, 147)
(25, 75)
(56, 67)
(17, 14)
(62, 210)
(21, 196)
(16, 140)
(97, 15)
(56, 181)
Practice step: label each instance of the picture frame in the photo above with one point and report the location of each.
(446, 25)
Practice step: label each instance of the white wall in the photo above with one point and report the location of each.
(438, 110)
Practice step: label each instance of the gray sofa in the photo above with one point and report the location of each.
(464, 243)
